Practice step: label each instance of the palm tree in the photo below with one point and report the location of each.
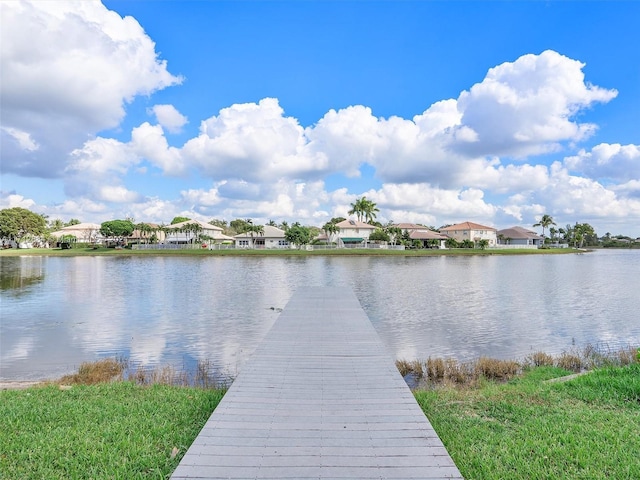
(272, 223)
(545, 222)
(196, 229)
(395, 233)
(251, 229)
(363, 208)
(330, 229)
(357, 208)
(370, 210)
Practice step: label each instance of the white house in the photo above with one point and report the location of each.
(183, 233)
(83, 232)
(354, 233)
(271, 237)
(471, 231)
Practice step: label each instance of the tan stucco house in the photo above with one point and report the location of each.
(354, 233)
(471, 231)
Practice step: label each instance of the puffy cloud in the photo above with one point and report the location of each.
(117, 194)
(97, 169)
(528, 106)
(100, 156)
(148, 142)
(607, 161)
(67, 68)
(430, 202)
(169, 117)
(12, 200)
(251, 142)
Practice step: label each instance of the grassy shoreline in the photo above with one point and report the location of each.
(527, 427)
(101, 251)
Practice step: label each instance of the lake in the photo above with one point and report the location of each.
(57, 312)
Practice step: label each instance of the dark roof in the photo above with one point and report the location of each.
(519, 232)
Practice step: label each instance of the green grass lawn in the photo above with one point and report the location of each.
(586, 428)
(115, 430)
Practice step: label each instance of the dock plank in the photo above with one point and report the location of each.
(319, 398)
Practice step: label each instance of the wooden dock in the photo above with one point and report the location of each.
(319, 398)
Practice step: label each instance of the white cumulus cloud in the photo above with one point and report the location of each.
(67, 69)
(607, 161)
(528, 106)
(169, 117)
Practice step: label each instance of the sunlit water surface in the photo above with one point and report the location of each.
(57, 312)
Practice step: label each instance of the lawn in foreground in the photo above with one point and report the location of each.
(586, 428)
(113, 430)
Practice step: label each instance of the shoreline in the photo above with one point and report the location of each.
(103, 251)
(20, 384)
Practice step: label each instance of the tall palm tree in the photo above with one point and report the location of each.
(365, 209)
(196, 229)
(544, 222)
(357, 208)
(370, 210)
(251, 229)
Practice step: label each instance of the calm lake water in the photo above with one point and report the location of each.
(58, 312)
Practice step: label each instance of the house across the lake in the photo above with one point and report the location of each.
(270, 237)
(80, 232)
(428, 237)
(471, 231)
(195, 231)
(519, 236)
(354, 233)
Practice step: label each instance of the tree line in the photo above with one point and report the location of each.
(20, 224)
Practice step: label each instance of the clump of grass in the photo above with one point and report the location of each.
(493, 369)
(569, 361)
(439, 371)
(540, 359)
(119, 369)
(456, 372)
(404, 367)
(435, 369)
(91, 373)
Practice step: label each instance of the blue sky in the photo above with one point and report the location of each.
(440, 112)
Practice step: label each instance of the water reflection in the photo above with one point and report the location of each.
(58, 312)
(20, 275)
